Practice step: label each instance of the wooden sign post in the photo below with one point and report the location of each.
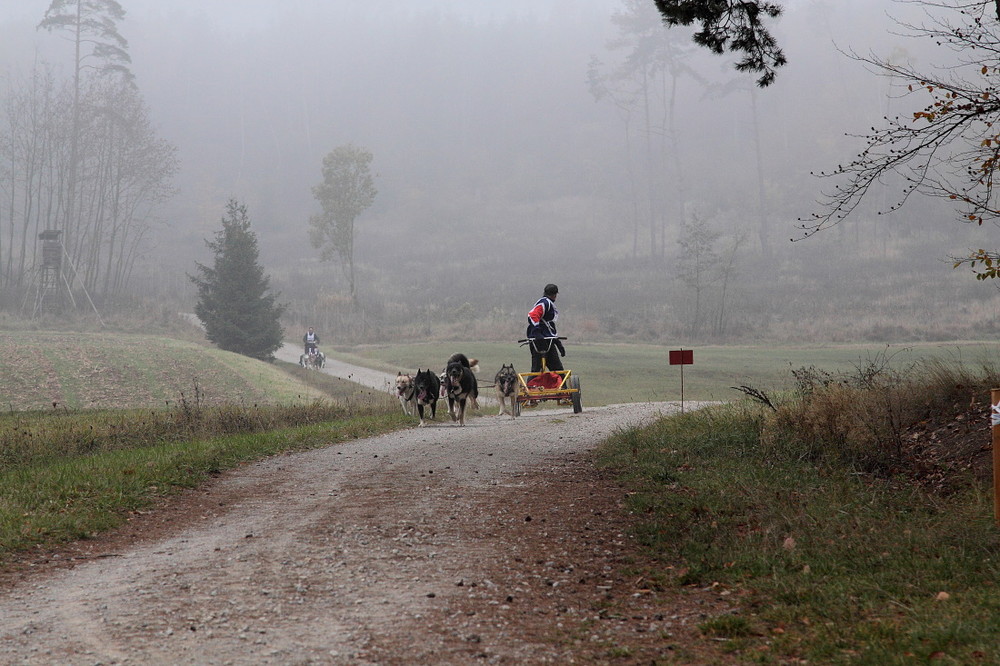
(682, 357)
(995, 429)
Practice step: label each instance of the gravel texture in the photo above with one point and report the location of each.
(497, 542)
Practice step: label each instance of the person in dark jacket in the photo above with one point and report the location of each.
(541, 325)
(310, 340)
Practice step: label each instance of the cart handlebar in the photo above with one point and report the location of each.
(525, 341)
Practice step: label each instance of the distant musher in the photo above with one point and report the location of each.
(311, 341)
(313, 357)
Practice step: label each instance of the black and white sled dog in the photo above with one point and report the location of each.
(426, 389)
(405, 392)
(506, 387)
(461, 386)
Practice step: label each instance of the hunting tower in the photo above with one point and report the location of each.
(50, 274)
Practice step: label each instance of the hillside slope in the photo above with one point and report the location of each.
(42, 370)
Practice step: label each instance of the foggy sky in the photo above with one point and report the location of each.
(251, 85)
(480, 121)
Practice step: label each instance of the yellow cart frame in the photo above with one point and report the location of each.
(566, 393)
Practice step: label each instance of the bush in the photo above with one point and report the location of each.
(861, 419)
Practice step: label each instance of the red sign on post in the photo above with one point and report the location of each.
(682, 357)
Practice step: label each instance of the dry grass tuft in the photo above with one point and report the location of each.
(867, 418)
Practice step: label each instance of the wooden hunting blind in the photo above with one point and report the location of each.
(52, 249)
(50, 278)
(55, 285)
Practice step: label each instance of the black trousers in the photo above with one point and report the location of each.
(547, 350)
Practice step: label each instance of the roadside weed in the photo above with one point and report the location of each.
(836, 559)
(70, 475)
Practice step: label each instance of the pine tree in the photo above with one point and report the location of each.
(736, 26)
(235, 302)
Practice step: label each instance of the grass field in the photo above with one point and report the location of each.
(824, 562)
(42, 370)
(120, 371)
(611, 374)
(97, 425)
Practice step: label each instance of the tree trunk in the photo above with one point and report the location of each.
(762, 225)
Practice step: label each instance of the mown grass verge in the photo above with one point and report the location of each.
(621, 373)
(68, 475)
(808, 518)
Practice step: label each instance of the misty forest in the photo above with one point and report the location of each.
(509, 145)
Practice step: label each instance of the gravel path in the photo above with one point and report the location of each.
(376, 379)
(443, 544)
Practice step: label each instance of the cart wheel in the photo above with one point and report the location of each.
(516, 407)
(574, 383)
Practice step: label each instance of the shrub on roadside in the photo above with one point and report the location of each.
(823, 562)
(861, 419)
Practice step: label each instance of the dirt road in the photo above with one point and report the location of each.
(492, 543)
(375, 379)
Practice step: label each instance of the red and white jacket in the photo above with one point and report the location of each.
(542, 319)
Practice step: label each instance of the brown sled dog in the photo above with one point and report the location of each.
(505, 382)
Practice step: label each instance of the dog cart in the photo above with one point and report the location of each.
(314, 360)
(537, 387)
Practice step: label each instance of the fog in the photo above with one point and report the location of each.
(498, 171)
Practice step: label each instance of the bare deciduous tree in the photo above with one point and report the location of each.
(347, 190)
(643, 83)
(697, 263)
(123, 170)
(81, 157)
(949, 145)
(92, 23)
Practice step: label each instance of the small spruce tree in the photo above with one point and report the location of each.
(235, 302)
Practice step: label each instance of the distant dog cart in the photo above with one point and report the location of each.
(536, 387)
(314, 360)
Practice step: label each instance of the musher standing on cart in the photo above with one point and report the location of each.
(310, 341)
(542, 324)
